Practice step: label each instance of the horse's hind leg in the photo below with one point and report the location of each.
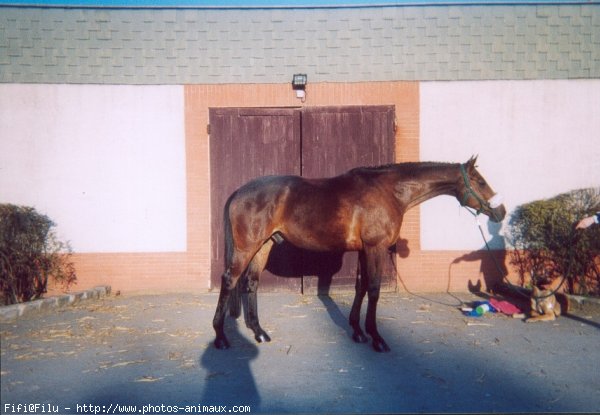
(253, 273)
(221, 341)
(229, 281)
(361, 290)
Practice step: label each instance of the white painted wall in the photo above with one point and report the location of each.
(106, 163)
(535, 139)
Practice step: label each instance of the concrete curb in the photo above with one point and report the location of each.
(14, 311)
(582, 301)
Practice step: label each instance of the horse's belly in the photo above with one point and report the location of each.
(323, 240)
(323, 228)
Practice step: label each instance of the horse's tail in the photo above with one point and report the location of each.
(235, 299)
(228, 234)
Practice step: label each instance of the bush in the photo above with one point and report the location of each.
(547, 245)
(30, 253)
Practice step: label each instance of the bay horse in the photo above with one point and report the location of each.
(360, 210)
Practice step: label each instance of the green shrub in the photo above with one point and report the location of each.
(30, 253)
(547, 245)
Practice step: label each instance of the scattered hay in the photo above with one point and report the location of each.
(148, 379)
(111, 365)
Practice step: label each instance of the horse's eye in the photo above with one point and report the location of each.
(482, 183)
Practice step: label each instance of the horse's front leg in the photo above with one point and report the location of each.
(375, 258)
(254, 270)
(360, 292)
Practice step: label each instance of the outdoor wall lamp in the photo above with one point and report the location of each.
(299, 82)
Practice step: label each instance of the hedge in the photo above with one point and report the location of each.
(30, 254)
(547, 245)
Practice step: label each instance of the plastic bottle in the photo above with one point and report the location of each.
(479, 308)
(482, 309)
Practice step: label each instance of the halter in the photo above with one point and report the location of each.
(493, 203)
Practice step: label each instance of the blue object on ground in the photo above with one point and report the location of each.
(480, 308)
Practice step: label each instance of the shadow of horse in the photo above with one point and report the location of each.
(289, 261)
(226, 373)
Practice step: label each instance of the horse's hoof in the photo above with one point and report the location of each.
(262, 337)
(381, 346)
(221, 343)
(359, 338)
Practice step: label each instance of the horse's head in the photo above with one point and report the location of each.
(473, 191)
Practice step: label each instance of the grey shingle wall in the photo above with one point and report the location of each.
(179, 46)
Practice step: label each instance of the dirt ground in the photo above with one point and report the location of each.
(154, 354)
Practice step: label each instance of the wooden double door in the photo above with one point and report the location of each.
(246, 143)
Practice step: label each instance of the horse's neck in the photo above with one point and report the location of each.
(426, 183)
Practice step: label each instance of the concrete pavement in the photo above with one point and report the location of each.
(154, 354)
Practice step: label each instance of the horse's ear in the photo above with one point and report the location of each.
(471, 162)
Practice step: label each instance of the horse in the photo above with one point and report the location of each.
(360, 210)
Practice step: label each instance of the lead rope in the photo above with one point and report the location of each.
(471, 192)
(462, 203)
(516, 288)
(399, 278)
(513, 287)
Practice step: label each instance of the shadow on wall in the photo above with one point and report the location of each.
(493, 263)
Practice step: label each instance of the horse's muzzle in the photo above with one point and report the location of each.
(497, 214)
(496, 207)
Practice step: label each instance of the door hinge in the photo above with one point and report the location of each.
(207, 128)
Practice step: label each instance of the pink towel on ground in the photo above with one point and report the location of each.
(505, 307)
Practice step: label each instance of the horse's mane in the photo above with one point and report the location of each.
(400, 167)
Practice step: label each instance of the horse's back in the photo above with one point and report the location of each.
(262, 182)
